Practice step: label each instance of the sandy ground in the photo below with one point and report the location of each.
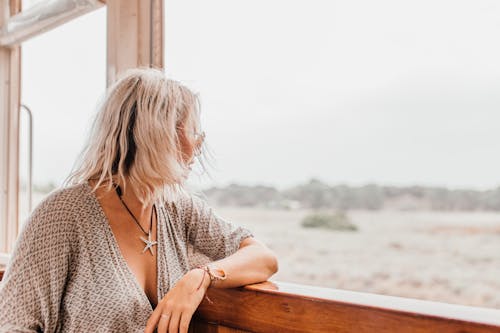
(446, 257)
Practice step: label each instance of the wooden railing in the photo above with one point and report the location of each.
(286, 307)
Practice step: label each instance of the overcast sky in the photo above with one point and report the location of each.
(392, 92)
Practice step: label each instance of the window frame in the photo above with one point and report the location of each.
(134, 39)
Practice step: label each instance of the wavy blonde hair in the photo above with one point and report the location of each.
(140, 136)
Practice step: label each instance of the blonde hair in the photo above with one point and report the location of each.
(138, 136)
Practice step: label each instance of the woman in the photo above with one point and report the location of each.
(123, 247)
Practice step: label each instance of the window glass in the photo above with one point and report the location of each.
(26, 4)
(63, 78)
(358, 139)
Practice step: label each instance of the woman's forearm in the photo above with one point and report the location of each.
(253, 262)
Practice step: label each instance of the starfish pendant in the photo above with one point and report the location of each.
(149, 243)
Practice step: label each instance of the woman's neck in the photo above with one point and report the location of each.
(129, 197)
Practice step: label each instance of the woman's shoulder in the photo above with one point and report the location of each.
(63, 198)
(61, 205)
(52, 223)
(186, 202)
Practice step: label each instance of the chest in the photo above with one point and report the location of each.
(131, 240)
(140, 259)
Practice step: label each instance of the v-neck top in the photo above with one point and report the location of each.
(67, 274)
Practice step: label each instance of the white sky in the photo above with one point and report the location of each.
(392, 92)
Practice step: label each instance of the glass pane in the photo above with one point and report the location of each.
(26, 4)
(371, 128)
(24, 169)
(64, 75)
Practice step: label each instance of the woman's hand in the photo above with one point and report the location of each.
(173, 313)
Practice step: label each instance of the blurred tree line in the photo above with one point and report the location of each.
(318, 195)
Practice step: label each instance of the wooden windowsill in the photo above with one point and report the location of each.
(286, 307)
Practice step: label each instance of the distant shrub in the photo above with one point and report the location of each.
(337, 221)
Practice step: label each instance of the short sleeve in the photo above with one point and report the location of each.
(210, 234)
(32, 287)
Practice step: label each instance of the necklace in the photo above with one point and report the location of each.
(149, 242)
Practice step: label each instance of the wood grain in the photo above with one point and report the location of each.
(265, 308)
(10, 101)
(134, 35)
(204, 327)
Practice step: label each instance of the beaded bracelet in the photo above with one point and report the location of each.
(216, 274)
(202, 278)
(213, 278)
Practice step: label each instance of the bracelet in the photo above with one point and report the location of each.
(201, 283)
(215, 275)
(202, 278)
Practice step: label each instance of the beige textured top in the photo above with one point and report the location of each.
(67, 274)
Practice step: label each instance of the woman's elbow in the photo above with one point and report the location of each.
(271, 261)
(266, 258)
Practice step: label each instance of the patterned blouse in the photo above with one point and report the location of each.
(67, 274)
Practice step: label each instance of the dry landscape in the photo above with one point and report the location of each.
(446, 257)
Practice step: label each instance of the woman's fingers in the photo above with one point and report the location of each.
(184, 322)
(173, 326)
(153, 321)
(164, 322)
